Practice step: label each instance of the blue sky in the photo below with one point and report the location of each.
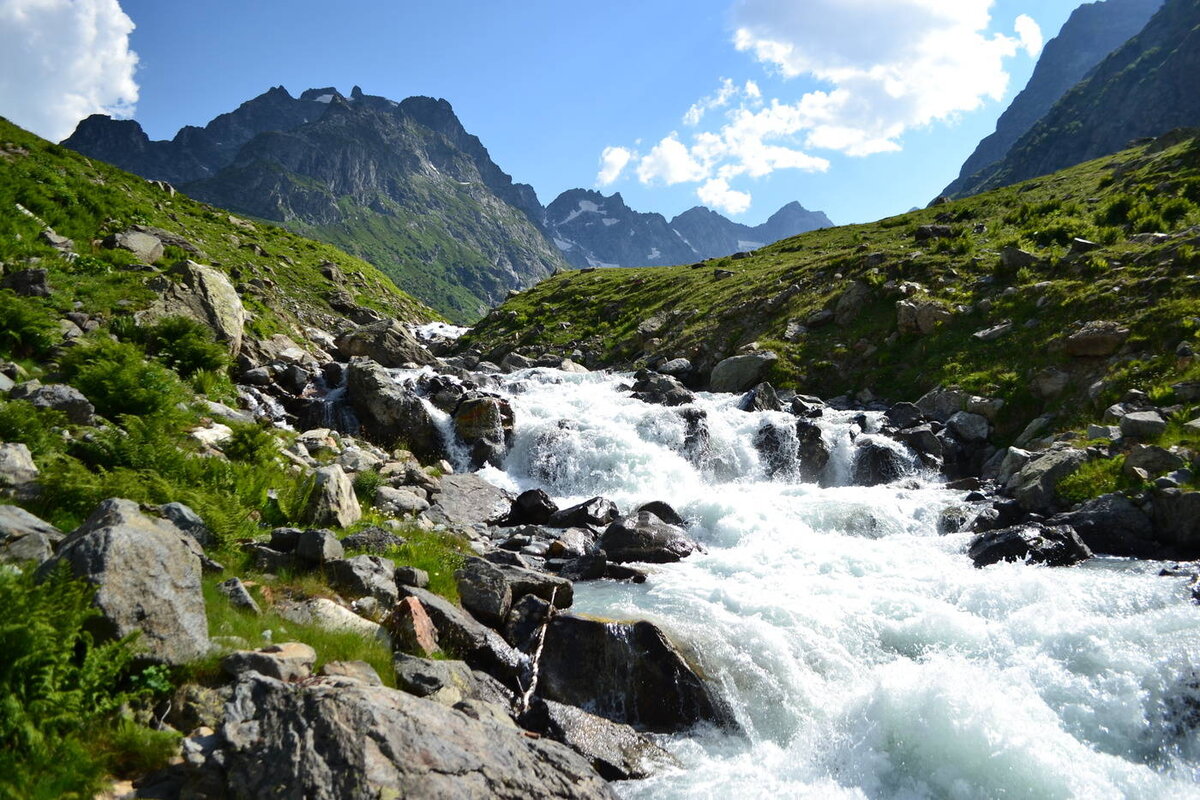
(860, 108)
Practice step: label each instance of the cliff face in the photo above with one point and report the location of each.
(1092, 32)
(403, 185)
(1143, 89)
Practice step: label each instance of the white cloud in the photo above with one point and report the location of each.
(612, 163)
(670, 162)
(1030, 34)
(61, 60)
(717, 194)
(724, 94)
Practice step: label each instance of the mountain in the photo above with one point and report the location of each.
(401, 184)
(1092, 32)
(1143, 89)
(593, 230)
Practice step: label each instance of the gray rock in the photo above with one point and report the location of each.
(60, 397)
(188, 521)
(24, 537)
(337, 739)
(411, 576)
(625, 672)
(972, 428)
(1095, 340)
(362, 576)
(942, 404)
(287, 661)
(663, 511)
(659, 389)
(27, 282)
(904, 415)
(146, 579)
(1154, 460)
(400, 501)
(1036, 485)
(1177, 521)
(1057, 546)
(739, 373)
(676, 367)
(316, 547)
(239, 596)
(523, 581)
(145, 247)
(531, 507)
(485, 426)
(1113, 525)
(876, 464)
(16, 465)
(390, 414)
(285, 539)
(762, 397)
(851, 302)
(1143, 425)
(1014, 258)
(484, 591)
(1050, 382)
(388, 343)
(333, 501)
(645, 537)
(447, 682)
(467, 500)
(616, 751)
(372, 540)
(463, 637)
(920, 316)
(596, 512)
(204, 294)
(358, 671)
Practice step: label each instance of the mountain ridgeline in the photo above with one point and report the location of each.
(405, 186)
(1142, 89)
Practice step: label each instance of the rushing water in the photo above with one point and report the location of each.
(860, 651)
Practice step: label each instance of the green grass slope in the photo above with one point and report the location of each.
(277, 273)
(1145, 283)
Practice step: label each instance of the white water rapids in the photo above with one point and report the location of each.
(861, 652)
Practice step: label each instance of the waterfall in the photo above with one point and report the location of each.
(861, 652)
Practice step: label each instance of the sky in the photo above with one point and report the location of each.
(859, 108)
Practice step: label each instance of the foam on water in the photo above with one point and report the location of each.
(861, 653)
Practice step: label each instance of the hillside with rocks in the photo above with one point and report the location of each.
(1090, 34)
(1142, 89)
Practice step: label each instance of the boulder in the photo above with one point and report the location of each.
(942, 404)
(145, 247)
(484, 591)
(325, 613)
(1014, 258)
(412, 629)
(359, 671)
(463, 637)
(1111, 524)
(27, 282)
(24, 537)
(523, 581)
(1036, 486)
(390, 414)
(676, 367)
(1095, 340)
(364, 576)
(239, 596)
(1177, 521)
(616, 751)
(1056, 546)
(812, 453)
(971, 428)
(920, 316)
(388, 343)
(287, 661)
(531, 507)
(625, 672)
(851, 302)
(372, 540)
(335, 738)
(776, 446)
(485, 426)
(59, 397)
(333, 501)
(875, 463)
(318, 546)
(644, 537)
(660, 389)
(904, 415)
(761, 398)
(1143, 425)
(1153, 460)
(595, 513)
(188, 521)
(467, 500)
(663, 511)
(204, 294)
(739, 373)
(147, 580)
(400, 501)
(16, 465)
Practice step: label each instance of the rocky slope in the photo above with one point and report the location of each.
(1092, 32)
(594, 230)
(402, 185)
(1142, 89)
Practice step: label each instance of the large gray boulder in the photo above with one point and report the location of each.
(740, 373)
(147, 580)
(1143, 425)
(205, 294)
(24, 537)
(462, 636)
(1177, 521)
(365, 576)
(388, 343)
(1054, 546)
(16, 465)
(484, 591)
(625, 672)
(146, 247)
(1036, 486)
(1095, 339)
(58, 397)
(390, 414)
(467, 499)
(332, 501)
(336, 738)
(645, 537)
(485, 425)
(616, 751)
(1113, 525)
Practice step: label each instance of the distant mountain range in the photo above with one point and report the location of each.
(405, 186)
(1119, 70)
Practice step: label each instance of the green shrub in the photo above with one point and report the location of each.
(40, 429)
(118, 379)
(184, 345)
(58, 688)
(251, 444)
(366, 483)
(27, 328)
(1094, 478)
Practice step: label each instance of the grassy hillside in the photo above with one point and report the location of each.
(1146, 283)
(277, 273)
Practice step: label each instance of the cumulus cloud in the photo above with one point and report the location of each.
(876, 69)
(612, 163)
(62, 60)
(717, 194)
